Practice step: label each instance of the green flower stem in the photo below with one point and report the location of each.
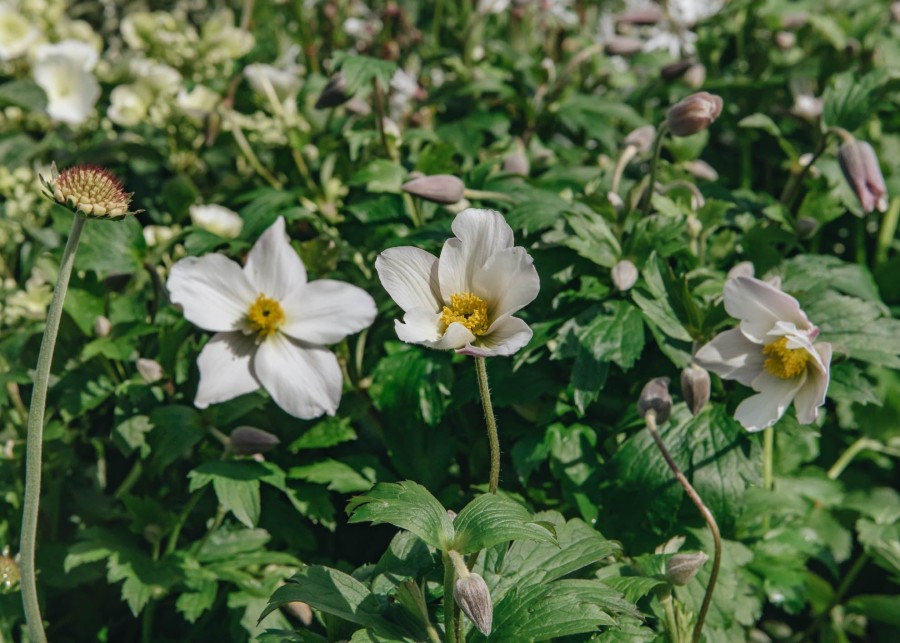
(661, 132)
(35, 438)
(487, 195)
(847, 456)
(449, 603)
(490, 421)
(768, 458)
(650, 419)
(671, 620)
(887, 231)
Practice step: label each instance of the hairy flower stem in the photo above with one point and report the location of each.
(768, 466)
(650, 419)
(35, 438)
(449, 603)
(661, 132)
(490, 421)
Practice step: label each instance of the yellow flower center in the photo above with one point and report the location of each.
(265, 316)
(784, 362)
(469, 310)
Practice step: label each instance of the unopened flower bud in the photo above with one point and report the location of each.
(694, 113)
(694, 227)
(102, 326)
(862, 171)
(334, 93)
(440, 188)
(624, 275)
(701, 170)
(806, 227)
(517, 163)
(695, 76)
(472, 595)
(452, 515)
(681, 568)
(742, 269)
(301, 610)
(150, 370)
(675, 70)
(623, 46)
(641, 138)
(695, 387)
(785, 39)
(248, 440)
(90, 190)
(615, 201)
(640, 17)
(655, 397)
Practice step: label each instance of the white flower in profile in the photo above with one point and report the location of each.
(773, 351)
(464, 300)
(128, 105)
(217, 219)
(271, 325)
(17, 33)
(63, 71)
(198, 103)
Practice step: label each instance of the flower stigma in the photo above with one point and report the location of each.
(467, 309)
(265, 316)
(784, 362)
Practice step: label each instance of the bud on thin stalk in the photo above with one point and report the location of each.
(862, 171)
(439, 188)
(248, 440)
(681, 568)
(695, 387)
(150, 370)
(655, 397)
(472, 595)
(694, 113)
(102, 326)
(624, 275)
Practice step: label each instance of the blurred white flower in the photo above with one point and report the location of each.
(80, 53)
(466, 299)
(217, 219)
(198, 103)
(772, 351)
(264, 78)
(17, 33)
(159, 77)
(128, 105)
(492, 6)
(270, 324)
(404, 88)
(63, 71)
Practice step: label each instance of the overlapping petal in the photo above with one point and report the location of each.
(410, 275)
(508, 280)
(765, 408)
(325, 311)
(212, 290)
(479, 235)
(273, 268)
(760, 306)
(812, 394)
(225, 369)
(506, 336)
(732, 356)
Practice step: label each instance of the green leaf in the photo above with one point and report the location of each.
(490, 520)
(861, 328)
(594, 240)
(850, 100)
(406, 505)
(339, 476)
(361, 70)
(176, 429)
(327, 433)
(192, 605)
(885, 609)
(236, 485)
(411, 381)
(761, 121)
(111, 247)
(380, 176)
(24, 93)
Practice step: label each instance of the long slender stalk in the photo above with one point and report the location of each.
(650, 419)
(449, 603)
(847, 456)
(768, 467)
(490, 421)
(35, 438)
(661, 132)
(887, 231)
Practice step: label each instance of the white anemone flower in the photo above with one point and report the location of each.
(466, 299)
(217, 219)
(271, 325)
(773, 351)
(17, 33)
(63, 71)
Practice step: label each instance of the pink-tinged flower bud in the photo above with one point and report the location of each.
(695, 76)
(89, 190)
(302, 611)
(517, 163)
(640, 17)
(695, 387)
(641, 139)
(150, 370)
(694, 113)
(440, 188)
(863, 173)
(681, 568)
(785, 39)
(248, 440)
(472, 595)
(624, 275)
(102, 327)
(655, 397)
(623, 46)
(701, 170)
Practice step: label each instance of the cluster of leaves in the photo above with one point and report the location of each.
(152, 528)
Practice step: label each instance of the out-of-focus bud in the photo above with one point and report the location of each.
(334, 93)
(623, 46)
(695, 76)
(701, 170)
(794, 20)
(675, 70)
(624, 275)
(742, 269)
(785, 39)
(693, 225)
(806, 227)
(641, 139)
(863, 173)
(440, 188)
(472, 595)
(807, 107)
(302, 611)
(615, 201)
(640, 17)
(9, 571)
(452, 514)
(102, 326)
(655, 397)
(694, 113)
(695, 387)
(681, 568)
(808, 159)
(517, 163)
(895, 11)
(150, 370)
(248, 440)
(217, 219)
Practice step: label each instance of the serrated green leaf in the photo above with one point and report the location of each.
(406, 505)
(491, 519)
(339, 476)
(327, 433)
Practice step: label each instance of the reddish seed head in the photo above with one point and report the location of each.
(90, 190)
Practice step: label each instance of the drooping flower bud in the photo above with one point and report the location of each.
(806, 227)
(440, 188)
(695, 76)
(862, 171)
(641, 139)
(102, 326)
(623, 46)
(695, 387)
(517, 163)
(701, 170)
(150, 370)
(641, 17)
(472, 595)
(655, 397)
(681, 568)
(248, 440)
(694, 113)
(624, 275)
(90, 190)
(675, 70)
(334, 93)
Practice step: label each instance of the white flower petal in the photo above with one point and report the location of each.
(760, 306)
(508, 281)
(812, 394)
(419, 326)
(212, 290)
(766, 407)
(479, 234)
(506, 336)
(305, 381)
(410, 276)
(273, 267)
(456, 336)
(225, 371)
(732, 356)
(326, 311)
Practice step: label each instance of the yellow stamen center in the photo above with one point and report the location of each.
(265, 316)
(784, 362)
(469, 310)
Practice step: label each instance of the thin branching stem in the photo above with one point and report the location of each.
(661, 132)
